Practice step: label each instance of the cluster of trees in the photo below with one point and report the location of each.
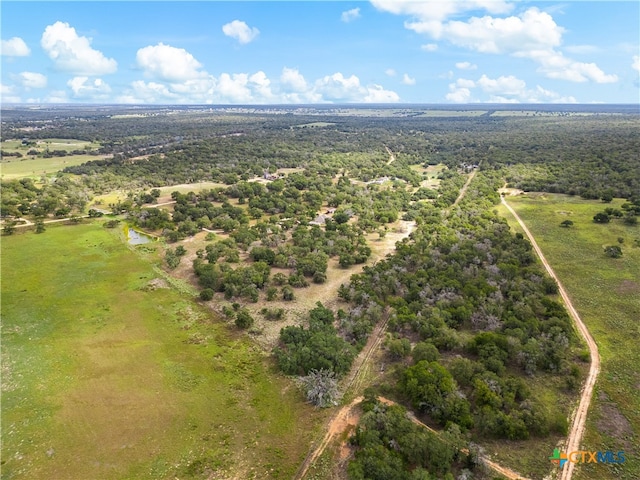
(59, 198)
(389, 446)
(242, 281)
(316, 348)
(628, 213)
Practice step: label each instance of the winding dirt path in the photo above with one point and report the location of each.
(392, 157)
(349, 416)
(580, 416)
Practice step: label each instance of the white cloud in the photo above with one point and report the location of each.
(504, 89)
(407, 80)
(245, 88)
(291, 80)
(439, 10)
(532, 34)
(466, 66)
(240, 31)
(169, 63)
(390, 72)
(83, 87)
(195, 90)
(148, 92)
(508, 85)
(531, 30)
(338, 88)
(350, 15)
(31, 80)
(555, 65)
(73, 53)
(458, 94)
(635, 64)
(261, 87)
(233, 88)
(295, 89)
(429, 47)
(14, 47)
(377, 94)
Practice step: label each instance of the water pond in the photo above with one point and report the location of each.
(137, 238)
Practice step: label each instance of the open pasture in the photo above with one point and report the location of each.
(109, 373)
(606, 293)
(35, 166)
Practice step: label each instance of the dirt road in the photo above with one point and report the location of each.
(349, 416)
(463, 190)
(580, 416)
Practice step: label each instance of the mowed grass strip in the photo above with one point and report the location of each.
(105, 375)
(606, 293)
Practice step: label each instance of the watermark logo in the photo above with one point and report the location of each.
(582, 456)
(559, 458)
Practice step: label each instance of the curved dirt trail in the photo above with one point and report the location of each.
(348, 417)
(580, 418)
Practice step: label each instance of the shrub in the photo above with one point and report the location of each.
(206, 294)
(244, 319)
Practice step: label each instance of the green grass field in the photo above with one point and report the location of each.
(107, 373)
(36, 167)
(606, 293)
(30, 166)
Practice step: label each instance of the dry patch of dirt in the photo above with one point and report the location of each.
(156, 283)
(615, 424)
(266, 332)
(627, 287)
(510, 191)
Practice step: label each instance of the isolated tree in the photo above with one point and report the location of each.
(566, 223)
(601, 217)
(321, 387)
(40, 228)
(206, 294)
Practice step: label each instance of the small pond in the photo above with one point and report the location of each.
(137, 238)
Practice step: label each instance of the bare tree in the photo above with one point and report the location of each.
(321, 387)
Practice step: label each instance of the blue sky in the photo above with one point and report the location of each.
(395, 51)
